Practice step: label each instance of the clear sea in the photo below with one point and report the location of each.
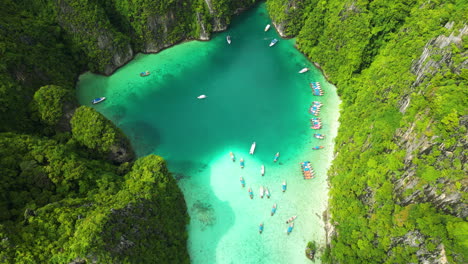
(254, 94)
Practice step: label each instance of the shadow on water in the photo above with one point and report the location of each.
(143, 136)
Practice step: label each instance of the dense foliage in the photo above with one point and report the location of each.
(70, 189)
(57, 206)
(401, 145)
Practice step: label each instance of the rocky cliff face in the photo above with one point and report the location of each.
(436, 57)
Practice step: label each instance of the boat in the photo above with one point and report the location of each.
(252, 148)
(276, 157)
(292, 218)
(98, 100)
(228, 39)
(260, 228)
(242, 181)
(267, 27)
(201, 96)
(273, 210)
(261, 191)
(250, 193)
(262, 170)
(143, 74)
(290, 228)
(307, 170)
(233, 158)
(242, 163)
(273, 42)
(318, 147)
(319, 136)
(283, 187)
(304, 70)
(267, 193)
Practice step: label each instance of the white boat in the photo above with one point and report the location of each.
(273, 42)
(228, 39)
(267, 193)
(252, 148)
(201, 96)
(261, 191)
(262, 170)
(304, 70)
(267, 27)
(98, 100)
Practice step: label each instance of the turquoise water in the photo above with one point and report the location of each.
(254, 93)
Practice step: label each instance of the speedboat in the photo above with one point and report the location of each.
(98, 100)
(276, 157)
(267, 27)
(242, 181)
(252, 148)
(228, 39)
(143, 74)
(319, 136)
(242, 163)
(267, 193)
(284, 186)
(233, 158)
(317, 147)
(273, 210)
(250, 193)
(273, 42)
(262, 170)
(291, 219)
(261, 191)
(201, 96)
(290, 228)
(304, 70)
(260, 228)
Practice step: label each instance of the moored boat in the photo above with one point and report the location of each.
(276, 157)
(283, 187)
(262, 170)
(292, 218)
(242, 163)
(252, 148)
(318, 147)
(233, 158)
(267, 27)
(290, 228)
(304, 70)
(267, 193)
(319, 136)
(228, 39)
(260, 228)
(261, 191)
(143, 74)
(242, 181)
(273, 210)
(98, 100)
(250, 193)
(201, 96)
(273, 42)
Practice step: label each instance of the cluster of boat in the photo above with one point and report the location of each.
(316, 123)
(263, 190)
(307, 171)
(315, 108)
(316, 89)
(289, 221)
(267, 27)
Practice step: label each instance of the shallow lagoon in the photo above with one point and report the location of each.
(254, 93)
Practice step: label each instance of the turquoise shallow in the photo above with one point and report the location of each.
(254, 93)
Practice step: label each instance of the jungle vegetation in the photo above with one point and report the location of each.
(401, 145)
